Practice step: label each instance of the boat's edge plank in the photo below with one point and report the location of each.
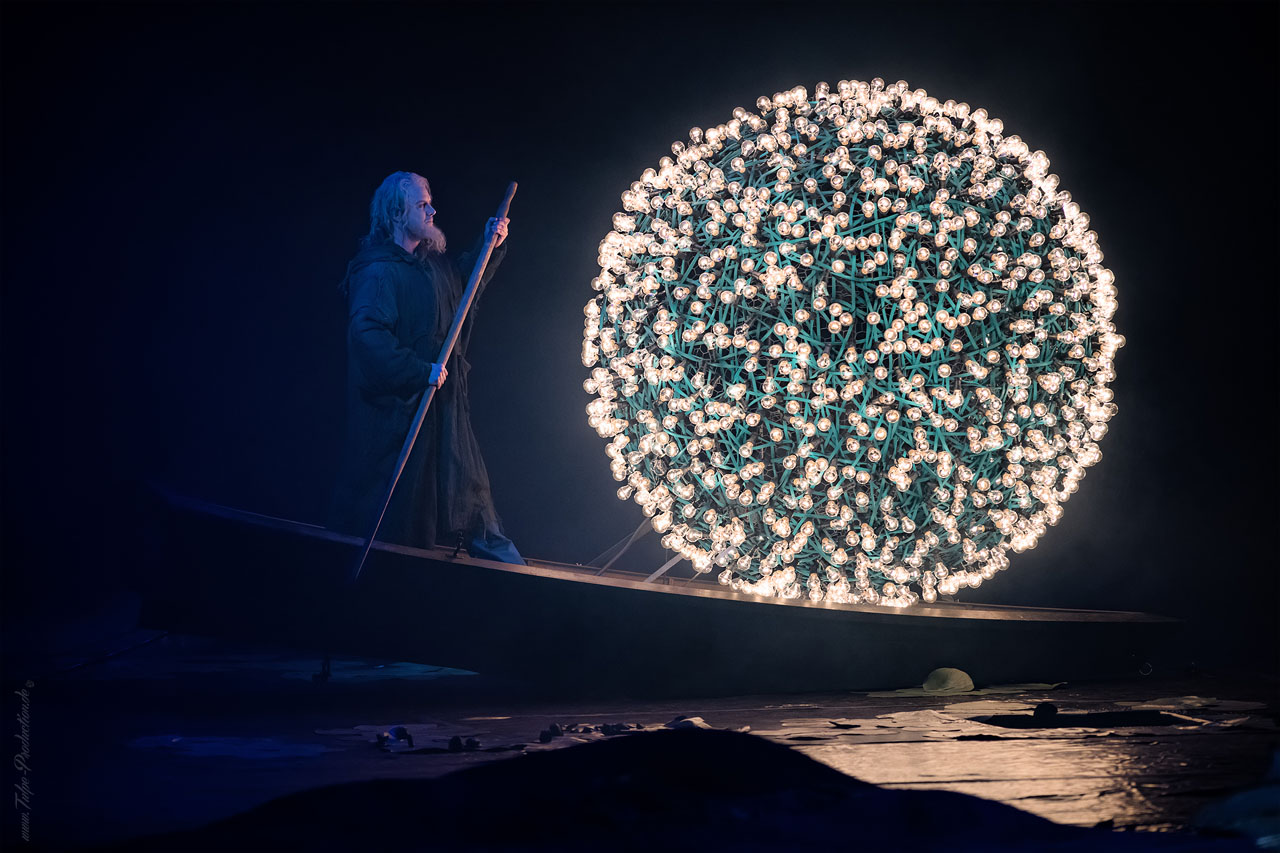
(585, 574)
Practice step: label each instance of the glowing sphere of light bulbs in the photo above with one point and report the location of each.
(853, 346)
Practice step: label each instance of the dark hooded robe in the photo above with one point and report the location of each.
(399, 310)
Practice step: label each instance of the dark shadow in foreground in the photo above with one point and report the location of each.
(685, 789)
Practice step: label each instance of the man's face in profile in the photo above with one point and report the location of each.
(419, 218)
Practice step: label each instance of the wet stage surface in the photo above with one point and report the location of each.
(169, 733)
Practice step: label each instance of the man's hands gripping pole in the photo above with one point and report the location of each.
(497, 227)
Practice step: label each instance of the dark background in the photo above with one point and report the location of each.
(183, 185)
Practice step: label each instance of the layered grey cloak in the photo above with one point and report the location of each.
(399, 309)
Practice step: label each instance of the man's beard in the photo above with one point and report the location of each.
(434, 240)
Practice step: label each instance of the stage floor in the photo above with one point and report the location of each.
(168, 732)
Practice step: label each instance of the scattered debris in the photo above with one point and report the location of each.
(584, 732)
(987, 706)
(406, 734)
(1046, 716)
(395, 735)
(1188, 703)
(1045, 721)
(917, 724)
(457, 744)
(419, 739)
(574, 733)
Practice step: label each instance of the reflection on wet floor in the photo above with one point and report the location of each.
(1083, 782)
(236, 727)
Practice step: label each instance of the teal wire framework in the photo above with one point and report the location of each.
(854, 346)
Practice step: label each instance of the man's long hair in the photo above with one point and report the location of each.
(386, 211)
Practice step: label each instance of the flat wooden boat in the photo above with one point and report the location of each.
(220, 571)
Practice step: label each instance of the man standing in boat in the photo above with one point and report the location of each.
(401, 292)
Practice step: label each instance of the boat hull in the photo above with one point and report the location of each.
(224, 572)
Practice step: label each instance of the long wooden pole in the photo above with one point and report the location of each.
(429, 394)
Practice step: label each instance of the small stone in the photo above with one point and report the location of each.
(683, 722)
(471, 744)
(1045, 711)
(555, 730)
(948, 680)
(455, 744)
(544, 736)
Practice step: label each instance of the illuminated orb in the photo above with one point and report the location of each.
(854, 346)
